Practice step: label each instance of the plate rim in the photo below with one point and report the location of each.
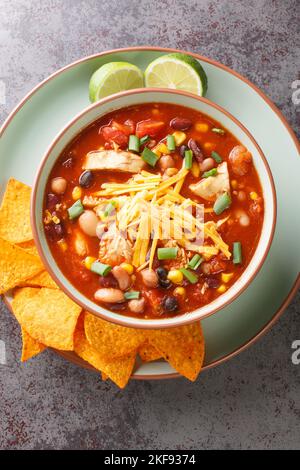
(267, 100)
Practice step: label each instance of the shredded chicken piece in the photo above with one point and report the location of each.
(213, 186)
(113, 160)
(114, 248)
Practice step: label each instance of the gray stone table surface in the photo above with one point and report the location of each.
(251, 401)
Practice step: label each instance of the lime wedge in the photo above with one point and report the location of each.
(178, 72)
(114, 77)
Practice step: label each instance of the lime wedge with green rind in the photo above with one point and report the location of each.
(178, 72)
(114, 77)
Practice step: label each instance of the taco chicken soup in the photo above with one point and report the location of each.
(154, 210)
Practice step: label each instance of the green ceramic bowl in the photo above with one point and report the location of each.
(134, 97)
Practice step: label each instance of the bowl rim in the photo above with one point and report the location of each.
(178, 320)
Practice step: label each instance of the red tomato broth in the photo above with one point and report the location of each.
(91, 138)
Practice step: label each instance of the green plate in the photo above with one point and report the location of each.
(30, 128)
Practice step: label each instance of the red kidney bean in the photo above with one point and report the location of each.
(180, 124)
(212, 282)
(52, 200)
(195, 148)
(108, 281)
(182, 150)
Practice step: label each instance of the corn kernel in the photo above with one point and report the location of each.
(48, 217)
(55, 219)
(253, 195)
(201, 127)
(195, 169)
(221, 289)
(179, 137)
(209, 145)
(234, 184)
(179, 291)
(128, 267)
(76, 193)
(162, 148)
(226, 277)
(156, 151)
(62, 244)
(88, 261)
(175, 276)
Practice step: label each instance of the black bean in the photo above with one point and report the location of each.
(52, 200)
(182, 150)
(195, 148)
(165, 283)
(54, 231)
(86, 179)
(162, 273)
(170, 303)
(180, 123)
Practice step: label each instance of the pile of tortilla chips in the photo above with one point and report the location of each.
(48, 318)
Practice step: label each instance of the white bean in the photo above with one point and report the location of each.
(58, 185)
(207, 164)
(122, 277)
(244, 220)
(136, 305)
(88, 222)
(166, 161)
(109, 295)
(150, 278)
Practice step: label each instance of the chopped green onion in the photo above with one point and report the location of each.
(217, 158)
(149, 157)
(171, 142)
(144, 140)
(222, 203)
(211, 172)
(195, 262)
(100, 268)
(237, 253)
(191, 277)
(76, 210)
(188, 159)
(134, 143)
(167, 253)
(109, 208)
(134, 294)
(217, 130)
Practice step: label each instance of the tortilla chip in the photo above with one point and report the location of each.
(15, 213)
(111, 340)
(16, 266)
(29, 247)
(30, 347)
(118, 370)
(42, 279)
(182, 347)
(48, 315)
(148, 353)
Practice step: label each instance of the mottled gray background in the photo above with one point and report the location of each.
(251, 401)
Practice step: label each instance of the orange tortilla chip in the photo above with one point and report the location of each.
(16, 266)
(111, 340)
(118, 370)
(148, 353)
(30, 347)
(15, 213)
(29, 247)
(183, 347)
(42, 279)
(48, 315)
